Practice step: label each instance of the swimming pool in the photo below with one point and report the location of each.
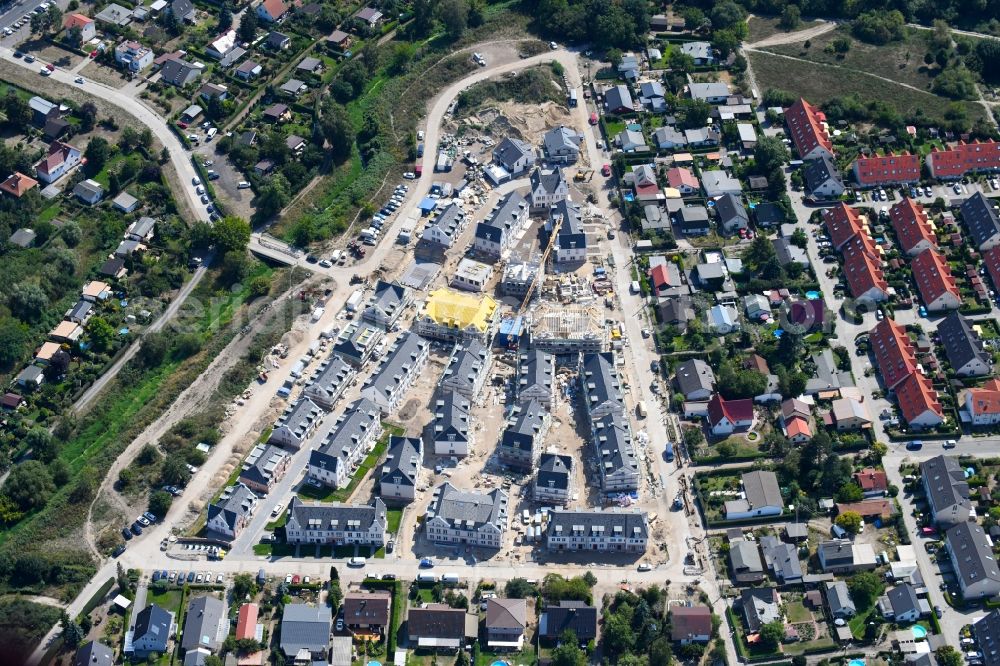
(499, 663)
(918, 631)
(856, 662)
(813, 295)
(374, 663)
(778, 332)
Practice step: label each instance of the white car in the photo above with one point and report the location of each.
(196, 181)
(420, 135)
(208, 163)
(409, 175)
(78, 79)
(957, 187)
(200, 189)
(243, 185)
(277, 510)
(192, 137)
(645, 567)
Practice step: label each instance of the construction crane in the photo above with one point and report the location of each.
(513, 338)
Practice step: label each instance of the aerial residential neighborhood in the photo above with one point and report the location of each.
(499, 335)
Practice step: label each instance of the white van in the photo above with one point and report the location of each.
(356, 562)
(635, 287)
(243, 185)
(210, 134)
(427, 578)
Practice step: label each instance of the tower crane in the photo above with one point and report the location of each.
(513, 338)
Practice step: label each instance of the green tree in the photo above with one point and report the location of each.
(771, 635)
(101, 333)
(43, 446)
(791, 17)
(879, 26)
(948, 656)
(799, 238)
(727, 14)
(248, 26)
(244, 586)
(97, 154)
(454, 15)
(17, 111)
(865, 587)
(29, 485)
(955, 83)
(520, 588)
(232, 233)
(27, 301)
(770, 154)
(260, 286)
(159, 502)
(13, 341)
(462, 659)
(72, 634)
(335, 125)
(226, 18)
(335, 595)
(154, 349)
(850, 521)
(174, 470)
(568, 653)
(71, 233)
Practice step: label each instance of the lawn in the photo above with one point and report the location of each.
(170, 599)
(393, 518)
(524, 658)
(901, 61)
(819, 83)
(796, 612)
(324, 494)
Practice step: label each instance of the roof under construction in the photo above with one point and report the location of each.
(567, 328)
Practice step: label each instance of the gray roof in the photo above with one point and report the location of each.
(141, 227)
(466, 366)
(309, 64)
(947, 489)
(819, 170)
(961, 344)
(561, 139)
(615, 449)
(903, 599)
(693, 216)
(237, 504)
(704, 91)
(577, 616)
(554, 472)
(601, 383)
(23, 237)
(153, 624)
(355, 342)
(789, 253)
(448, 220)
(182, 8)
(839, 598)
(972, 552)
(88, 189)
(761, 488)
(836, 553)
(451, 417)
(536, 369)
(669, 135)
(697, 50)
(349, 430)
(782, 559)
(386, 303)
(745, 557)
(729, 208)
(509, 151)
(80, 310)
(259, 466)
(650, 89)
(701, 135)
(305, 627)
(549, 180)
(400, 363)
(502, 217)
(523, 427)
(827, 375)
(760, 606)
(276, 39)
(292, 86)
(205, 624)
(329, 380)
(596, 522)
(677, 310)
(299, 418)
(94, 653)
(468, 510)
(618, 97)
(571, 233)
(335, 516)
(986, 631)
(717, 182)
(981, 218)
(402, 461)
(694, 375)
(179, 72)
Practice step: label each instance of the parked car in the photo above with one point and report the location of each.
(118, 551)
(136, 529)
(126, 534)
(151, 517)
(190, 577)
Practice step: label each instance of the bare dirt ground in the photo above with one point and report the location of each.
(103, 74)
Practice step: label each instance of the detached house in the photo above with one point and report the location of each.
(514, 155)
(575, 616)
(506, 620)
(232, 512)
(948, 494)
(971, 553)
(618, 99)
(731, 214)
(964, 349)
(83, 24)
(980, 216)
(762, 497)
(823, 180)
(562, 145)
(441, 627)
(271, 11)
(727, 416)
(153, 629)
(690, 624)
(548, 188)
(983, 404)
(61, 158)
(367, 612)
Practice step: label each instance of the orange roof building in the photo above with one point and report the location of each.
(913, 229)
(682, 179)
(842, 223)
(963, 158)
(863, 270)
(893, 352)
(807, 127)
(797, 430)
(983, 403)
(888, 169)
(47, 351)
(17, 184)
(246, 622)
(918, 402)
(934, 280)
(77, 21)
(873, 482)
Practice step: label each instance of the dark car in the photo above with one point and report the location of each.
(311, 258)
(18, 54)
(190, 577)
(938, 611)
(126, 534)
(118, 551)
(151, 517)
(136, 529)
(156, 576)
(388, 576)
(914, 446)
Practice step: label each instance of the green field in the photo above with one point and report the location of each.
(819, 83)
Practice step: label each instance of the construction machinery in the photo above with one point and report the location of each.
(513, 340)
(584, 175)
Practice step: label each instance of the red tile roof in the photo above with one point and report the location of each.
(797, 426)
(843, 223)
(872, 480)
(991, 258)
(734, 410)
(887, 169)
(961, 158)
(76, 21)
(689, 622)
(933, 277)
(660, 277)
(985, 399)
(893, 352)
(915, 396)
(869, 508)
(275, 8)
(911, 225)
(863, 267)
(807, 129)
(17, 184)
(246, 623)
(58, 153)
(681, 177)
